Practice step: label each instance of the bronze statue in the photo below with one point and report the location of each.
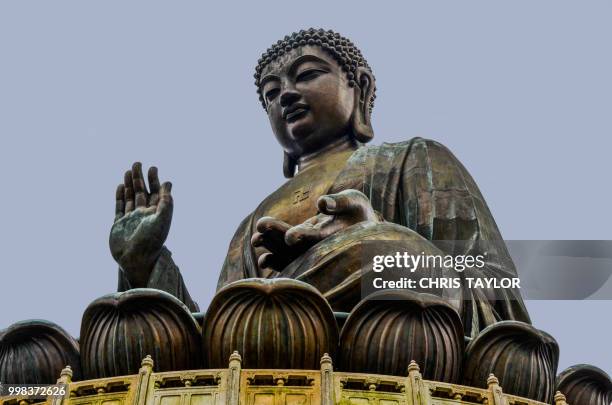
(318, 92)
(290, 287)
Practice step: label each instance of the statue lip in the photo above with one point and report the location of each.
(294, 111)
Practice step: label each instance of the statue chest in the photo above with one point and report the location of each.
(296, 201)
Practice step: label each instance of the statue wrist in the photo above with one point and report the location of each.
(138, 274)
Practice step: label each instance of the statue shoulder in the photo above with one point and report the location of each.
(424, 153)
(445, 170)
(416, 144)
(422, 150)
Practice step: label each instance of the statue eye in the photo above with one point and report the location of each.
(271, 94)
(309, 74)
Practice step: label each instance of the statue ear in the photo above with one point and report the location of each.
(360, 120)
(289, 165)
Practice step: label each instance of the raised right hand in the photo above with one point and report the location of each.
(142, 223)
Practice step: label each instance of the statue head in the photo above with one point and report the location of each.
(317, 89)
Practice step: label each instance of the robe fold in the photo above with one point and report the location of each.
(165, 276)
(419, 185)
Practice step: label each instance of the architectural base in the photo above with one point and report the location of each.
(234, 386)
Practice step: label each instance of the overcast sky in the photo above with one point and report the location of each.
(520, 91)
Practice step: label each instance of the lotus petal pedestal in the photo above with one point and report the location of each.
(390, 328)
(35, 351)
(120, 329)
(275, 323)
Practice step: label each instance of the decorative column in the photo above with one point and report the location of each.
(560, 399)
(496, 391)
(65, 378)
(233, 379)
(144, 379)
(327, 378)
(416, 391)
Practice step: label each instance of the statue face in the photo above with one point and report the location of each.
(308, 99)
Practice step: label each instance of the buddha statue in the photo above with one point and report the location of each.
(296, 259)
(318, 92)
(290, 289)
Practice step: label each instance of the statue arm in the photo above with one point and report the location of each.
(164, 276)
(142, 222)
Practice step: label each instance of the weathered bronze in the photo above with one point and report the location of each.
(120, 329)
(320, 115)
(35, 351)
(583, 384)
(318, 92)
(390, 328)
(278, 323)
(142, 223)
(524, 359)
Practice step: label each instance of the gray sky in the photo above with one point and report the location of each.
(520, 91)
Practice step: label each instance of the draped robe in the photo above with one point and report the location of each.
(164, 276)
(420, 185)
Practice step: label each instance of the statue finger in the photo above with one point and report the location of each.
(302, 236)
(274, 242)
(333, 204)
(154, 185)
(129, 191)
(346, 202)
(165, 205)
(140, 190)
(272, 233)
(257, 239)
(271, 225)
(153, 200)
(270, 261)
(120, 202)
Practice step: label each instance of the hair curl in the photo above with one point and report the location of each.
(347, 55)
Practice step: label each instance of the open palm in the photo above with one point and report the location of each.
(142, 223)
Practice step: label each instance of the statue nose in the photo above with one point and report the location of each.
(288, 97)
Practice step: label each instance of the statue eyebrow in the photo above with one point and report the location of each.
(303, 59)
(294, 65)
(268, 78)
